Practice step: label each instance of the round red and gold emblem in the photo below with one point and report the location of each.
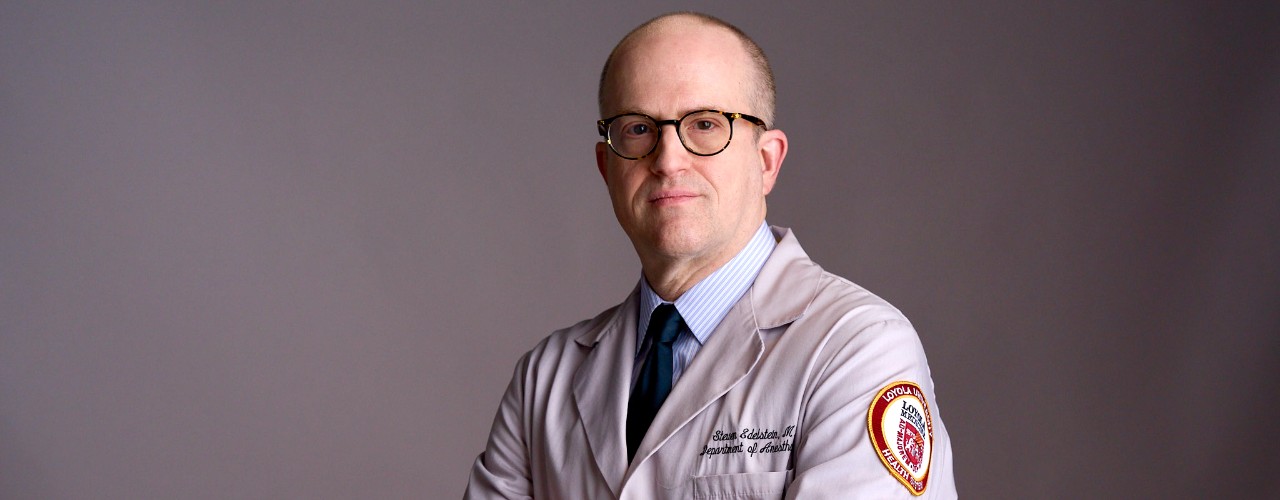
(902, 431)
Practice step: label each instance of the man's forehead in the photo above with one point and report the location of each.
(672, 96)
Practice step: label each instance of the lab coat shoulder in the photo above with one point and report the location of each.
(857, 345)
(565, 348)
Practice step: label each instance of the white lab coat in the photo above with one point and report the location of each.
(774, 405)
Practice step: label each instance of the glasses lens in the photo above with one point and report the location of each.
(633, 136)
(705, 132)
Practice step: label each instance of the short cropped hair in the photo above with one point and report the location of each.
(764, 92)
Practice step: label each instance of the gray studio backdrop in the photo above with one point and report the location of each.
(283, 250)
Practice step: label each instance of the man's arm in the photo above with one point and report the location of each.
(836, 457)
(503, 471)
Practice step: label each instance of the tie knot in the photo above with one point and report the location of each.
(664, 325)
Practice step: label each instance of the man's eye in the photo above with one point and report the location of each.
(637, 129)
(704, 125)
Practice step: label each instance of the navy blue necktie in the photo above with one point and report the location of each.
(655, 378)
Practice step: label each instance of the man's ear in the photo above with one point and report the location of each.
(773, 149)
(602, 149)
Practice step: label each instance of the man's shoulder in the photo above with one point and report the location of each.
(847, 321)
(794, 288)
(797, 282)
(836, 310)
(588, 326)
(579, 336)
(839, 296)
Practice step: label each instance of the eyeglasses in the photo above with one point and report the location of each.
(704, 132)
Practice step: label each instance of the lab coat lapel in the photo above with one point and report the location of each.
(601, 386)
(728, 356)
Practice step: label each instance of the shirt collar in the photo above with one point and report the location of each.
(704, 305)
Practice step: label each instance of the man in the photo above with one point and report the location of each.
(737, 368)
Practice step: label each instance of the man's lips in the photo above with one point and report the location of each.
(671, 196)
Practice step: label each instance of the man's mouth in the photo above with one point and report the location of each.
(671, 196)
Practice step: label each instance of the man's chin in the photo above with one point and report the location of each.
(677, 243)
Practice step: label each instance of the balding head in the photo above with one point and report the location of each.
(759, 84)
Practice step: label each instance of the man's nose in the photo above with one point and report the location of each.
(670, 155)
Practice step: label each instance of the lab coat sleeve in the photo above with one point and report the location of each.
(502, 471)
(835, 458)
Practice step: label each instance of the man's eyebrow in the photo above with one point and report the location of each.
(685, 111)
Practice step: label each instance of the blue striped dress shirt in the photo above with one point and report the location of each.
(703, 306)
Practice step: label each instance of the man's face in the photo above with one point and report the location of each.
(675, 206)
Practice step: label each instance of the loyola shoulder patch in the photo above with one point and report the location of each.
(901, 429)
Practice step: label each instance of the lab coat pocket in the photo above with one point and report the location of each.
(751, 485)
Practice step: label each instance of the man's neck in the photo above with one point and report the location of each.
(671, 277)
(671, 280)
